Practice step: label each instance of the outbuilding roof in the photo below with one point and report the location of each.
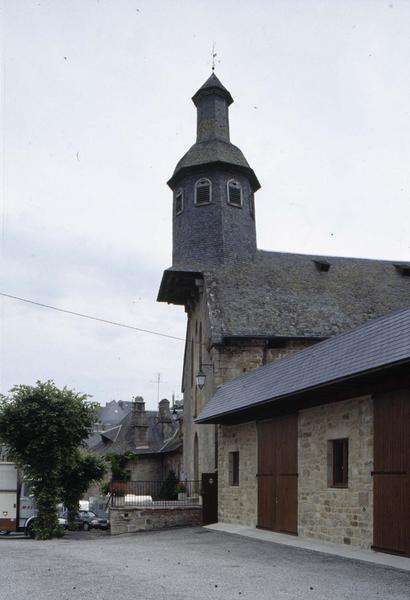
(376, 344)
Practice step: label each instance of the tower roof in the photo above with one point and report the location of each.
(212, 85)
(213, 147)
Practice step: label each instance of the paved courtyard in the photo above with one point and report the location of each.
(189, 563)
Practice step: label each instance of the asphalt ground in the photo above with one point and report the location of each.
(187, 563)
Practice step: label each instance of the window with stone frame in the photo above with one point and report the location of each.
(338, 471)
(179, 202)
(234, 193)
(233, 468)
(203, 191)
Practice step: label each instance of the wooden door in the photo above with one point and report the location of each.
(266, 468)
(209, 498)
(391, 475)
(277, 474)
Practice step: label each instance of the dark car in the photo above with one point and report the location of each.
(89, 520)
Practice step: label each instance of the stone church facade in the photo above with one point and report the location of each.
(246, 307)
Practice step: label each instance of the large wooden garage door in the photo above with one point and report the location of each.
(277, 474)
(392, 472)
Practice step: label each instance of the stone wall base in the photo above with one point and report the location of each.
(129, 520)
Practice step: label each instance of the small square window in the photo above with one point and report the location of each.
(234, 468)
(339, 467)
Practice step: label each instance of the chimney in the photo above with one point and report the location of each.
(165, 418)
(139, 422)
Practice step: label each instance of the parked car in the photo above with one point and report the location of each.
(88, 520)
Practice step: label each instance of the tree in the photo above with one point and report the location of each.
(168, 489)
(75, 478)
(43, 427)
(118, 463)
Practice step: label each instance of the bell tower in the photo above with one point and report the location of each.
(213, 190)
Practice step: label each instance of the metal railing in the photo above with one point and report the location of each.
(155, 494)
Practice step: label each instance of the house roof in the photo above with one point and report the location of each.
(113, 412)
(287, 295)
(173, 443)
(122, 437)
(376, 344)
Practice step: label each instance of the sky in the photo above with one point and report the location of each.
(95, 113)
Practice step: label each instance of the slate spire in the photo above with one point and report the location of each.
(213, 190)
(212, 101)
(213, 145)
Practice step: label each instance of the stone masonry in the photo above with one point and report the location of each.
(228, 362)
(340, 515)
(129, 520)
(238, 503)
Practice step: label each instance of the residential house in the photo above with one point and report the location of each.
(154, 439)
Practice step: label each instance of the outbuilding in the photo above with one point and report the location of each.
(317, 444)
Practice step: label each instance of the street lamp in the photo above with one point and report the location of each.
(200, 378)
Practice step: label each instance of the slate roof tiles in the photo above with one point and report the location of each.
(377, 343)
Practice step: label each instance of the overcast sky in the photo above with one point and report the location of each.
(96, 112)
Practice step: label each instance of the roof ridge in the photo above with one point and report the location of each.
(332, 256)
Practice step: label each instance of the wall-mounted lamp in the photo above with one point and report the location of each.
(200, 378)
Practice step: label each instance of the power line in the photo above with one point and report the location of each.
(84, 316)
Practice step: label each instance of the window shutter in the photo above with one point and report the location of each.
(179, 203)
(203, 192)
(234, 193)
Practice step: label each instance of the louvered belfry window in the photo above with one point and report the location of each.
(234, 193)
(179, 203)
(202, 192)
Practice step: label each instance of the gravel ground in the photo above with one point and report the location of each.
(189, 563)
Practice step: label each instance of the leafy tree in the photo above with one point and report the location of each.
(43, 427)
(83, 469)
(118, 463)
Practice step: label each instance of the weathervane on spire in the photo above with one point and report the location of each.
(214, 55)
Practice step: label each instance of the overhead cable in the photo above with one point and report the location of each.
(84, 316)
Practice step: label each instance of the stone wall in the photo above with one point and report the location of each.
(145, 468)
(228, 362)
(341, 515)
(238, 504)
(129, 520)
(172, 462)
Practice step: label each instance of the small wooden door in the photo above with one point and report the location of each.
(277, 474)
(391, 475)
(209, 498)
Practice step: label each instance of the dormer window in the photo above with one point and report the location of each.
(322, 265)
(403, 269)
(202, 192)
(234, 193)
(179, 202)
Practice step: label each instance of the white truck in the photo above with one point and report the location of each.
(16, 503)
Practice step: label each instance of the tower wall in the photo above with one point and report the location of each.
(217, 232)
(212, 119)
